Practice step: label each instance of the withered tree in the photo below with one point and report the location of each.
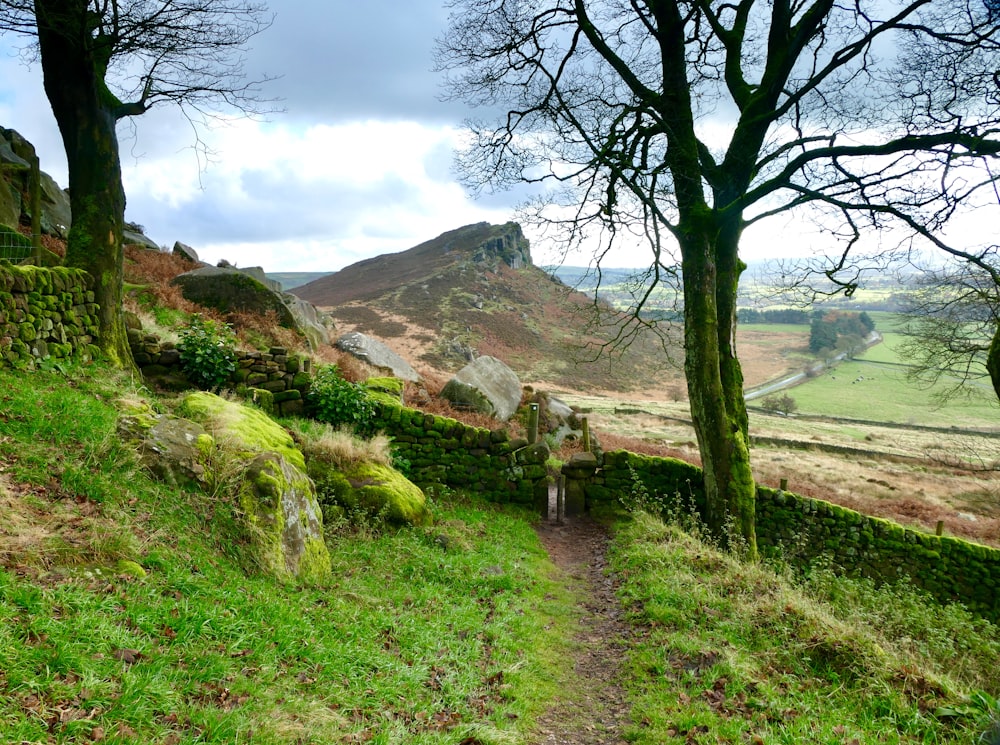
(682, 122)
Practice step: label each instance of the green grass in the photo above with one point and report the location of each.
(427, 635)
(886, 395)
(734, 653)
(460, 632)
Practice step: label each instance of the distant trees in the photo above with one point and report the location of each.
(777, 315)
(780, 402)
(105, 60)
(839, 330)
(953, 328)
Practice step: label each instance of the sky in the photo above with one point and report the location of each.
(359, 163)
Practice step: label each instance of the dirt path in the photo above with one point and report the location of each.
(594, 711)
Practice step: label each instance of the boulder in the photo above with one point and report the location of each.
(311, 322)
(257, 272)
(56, 215)
(229, 289)
(557, 419)
(186, 252)
(276, 496)
(16, 153)
(485, 385)
(133, 237)
(174, 450)
(12, 166)
(376, 354)
(376, 490)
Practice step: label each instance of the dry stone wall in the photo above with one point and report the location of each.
(439, 450)
(46, 314)
(803, 530)
(275, 380)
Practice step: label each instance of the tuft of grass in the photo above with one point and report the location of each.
(737, 653)
(339, 445)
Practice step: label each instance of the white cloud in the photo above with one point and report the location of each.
(311, 199)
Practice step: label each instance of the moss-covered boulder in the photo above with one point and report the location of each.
(277, 498)
(279, 503)
(377, 490)
(240, 428)
(173, 449)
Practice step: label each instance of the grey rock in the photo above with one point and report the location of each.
(485, 385)
(376, 354)
(57, 216)
(135, 238)
(186, 252)
(227, 289)
(167, 445)
(257, 273)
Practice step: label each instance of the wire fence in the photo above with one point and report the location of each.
(14, 247)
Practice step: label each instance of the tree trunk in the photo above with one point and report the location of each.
(993, 361)
(711, 270)
(86, 114)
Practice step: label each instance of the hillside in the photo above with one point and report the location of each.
(475, 289)
(127, 615)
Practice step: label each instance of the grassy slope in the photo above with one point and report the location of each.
(411, 642)
(733, 653)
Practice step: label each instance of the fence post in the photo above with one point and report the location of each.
(586, 434)
(35, 189)
(532, 423)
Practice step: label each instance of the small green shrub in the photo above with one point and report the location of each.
(208, 352)
(337, 401)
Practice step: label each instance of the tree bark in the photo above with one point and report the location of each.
(711, 269)
(993, 361)
(85, 110)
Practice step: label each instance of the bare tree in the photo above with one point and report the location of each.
(953, 327)
(105, 60)
(679, 123)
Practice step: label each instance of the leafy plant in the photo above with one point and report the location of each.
(208, 352)
(337, 401)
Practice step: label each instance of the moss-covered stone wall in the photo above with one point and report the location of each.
(802, 530)
(440, 450)
(275, 380)
(46, 313)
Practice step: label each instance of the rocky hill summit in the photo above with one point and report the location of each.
(474, 291)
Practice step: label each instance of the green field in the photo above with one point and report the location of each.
(862, 389)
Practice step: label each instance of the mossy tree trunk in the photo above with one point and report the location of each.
(993, 361)
(74, 62)
(715, 381)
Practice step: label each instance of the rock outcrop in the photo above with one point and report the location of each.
(485, 385)
(16, 155)
(376, 354)
(228, 289)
